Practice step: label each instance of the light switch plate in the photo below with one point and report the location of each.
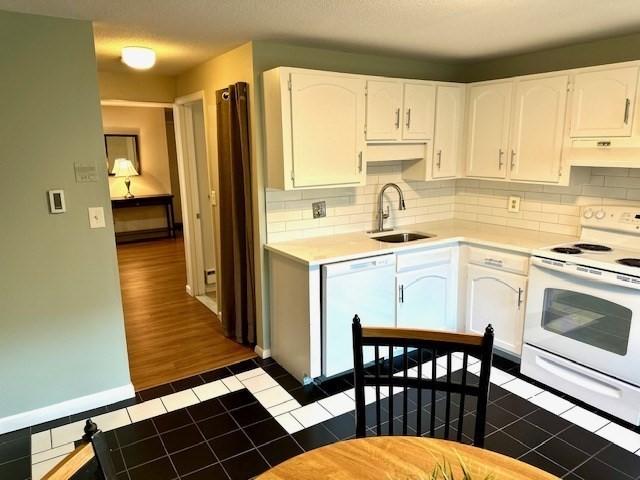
(319, 209)
(514, 204)
(96, 217)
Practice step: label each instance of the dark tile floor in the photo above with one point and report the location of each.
(234, 437)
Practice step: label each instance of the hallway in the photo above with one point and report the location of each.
(170, 335)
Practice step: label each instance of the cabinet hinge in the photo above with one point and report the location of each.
(293, 176)
(560, 170)
(569, 86)
(289, 84)
(366, 90)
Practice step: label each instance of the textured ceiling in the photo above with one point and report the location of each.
(187, 32)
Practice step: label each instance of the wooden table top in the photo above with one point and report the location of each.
(395, 458)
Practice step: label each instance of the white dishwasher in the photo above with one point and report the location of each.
(365, 287)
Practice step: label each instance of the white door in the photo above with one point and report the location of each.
(602, 103)
(327, 118)
(488, 129)
(426, 298)
(496, 298)
(448, 131)
(537, 128)
(384, 100)
(419, 111)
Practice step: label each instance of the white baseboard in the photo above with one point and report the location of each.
(263, 352)
(188, 289)
(68, 407)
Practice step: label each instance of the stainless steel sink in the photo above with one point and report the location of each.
(402, 237)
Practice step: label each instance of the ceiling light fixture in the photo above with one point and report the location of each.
(140, 58)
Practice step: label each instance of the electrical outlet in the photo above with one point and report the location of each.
(514, 204)
(319, 209)
(96, 217)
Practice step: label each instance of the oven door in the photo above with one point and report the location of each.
(589, 316)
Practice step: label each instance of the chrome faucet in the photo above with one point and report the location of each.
(382, 215)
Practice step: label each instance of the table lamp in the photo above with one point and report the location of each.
(122, 167)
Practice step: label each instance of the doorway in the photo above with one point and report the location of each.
(200, 181)
(170, 334)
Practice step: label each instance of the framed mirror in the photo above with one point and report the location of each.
(122, 146)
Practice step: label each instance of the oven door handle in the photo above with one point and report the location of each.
(602, 276)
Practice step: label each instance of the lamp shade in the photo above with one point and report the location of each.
(122, 167)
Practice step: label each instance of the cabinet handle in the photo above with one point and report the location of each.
(500, 162)
(520, 292)
(408, 117)
(513, 159)
(397, 118)
(627, 106)
(439, 162)
(401, 293)
(360, 161)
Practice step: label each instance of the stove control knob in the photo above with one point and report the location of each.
(600, 214)
(588, 213)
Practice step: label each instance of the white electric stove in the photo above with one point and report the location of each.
(582, 324)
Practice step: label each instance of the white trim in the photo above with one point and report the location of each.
(192, 97)
(129, 103)
(188, 289)
(262, 352)
(68, 407)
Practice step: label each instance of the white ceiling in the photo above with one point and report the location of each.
(188, 32)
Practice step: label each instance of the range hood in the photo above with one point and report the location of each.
(622, 152)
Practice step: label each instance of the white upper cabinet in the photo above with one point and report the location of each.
(400, 111)
(488, 129)
(449, 124)
(603, 102)
(314, 123)
(384, 105)
(537, 129)
(419, 110)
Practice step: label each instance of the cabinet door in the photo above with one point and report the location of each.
(537, 127)
(448, 131)
(488, 129)
(419, 110)
(602, 103)
(384, 100)
(496, 298)
(327, 123)
(427, 298)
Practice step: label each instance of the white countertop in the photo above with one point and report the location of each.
(335, 248)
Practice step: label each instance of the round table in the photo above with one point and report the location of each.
(395, 458)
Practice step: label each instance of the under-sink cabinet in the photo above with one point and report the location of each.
(496, 295)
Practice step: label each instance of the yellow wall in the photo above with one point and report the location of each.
(216, 74)
(136, 86)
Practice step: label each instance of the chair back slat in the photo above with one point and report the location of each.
(394, 372)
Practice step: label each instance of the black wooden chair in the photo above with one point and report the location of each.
(420, 346)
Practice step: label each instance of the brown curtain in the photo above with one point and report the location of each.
(237, 281)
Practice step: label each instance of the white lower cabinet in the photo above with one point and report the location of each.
(498, 298)
(427, 289)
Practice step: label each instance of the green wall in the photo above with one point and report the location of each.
(61, 322)
(598, 52)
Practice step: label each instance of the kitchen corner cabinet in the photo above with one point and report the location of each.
(399, 111)
(314, 124)
(488, 116)
(449, 125)
(498, 298)
(603, 102)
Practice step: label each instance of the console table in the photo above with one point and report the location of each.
(162, 199)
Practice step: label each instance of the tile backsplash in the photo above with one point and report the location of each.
(543, 207)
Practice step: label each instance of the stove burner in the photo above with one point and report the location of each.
(592, 247)
(568, 250)
(630, 262)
